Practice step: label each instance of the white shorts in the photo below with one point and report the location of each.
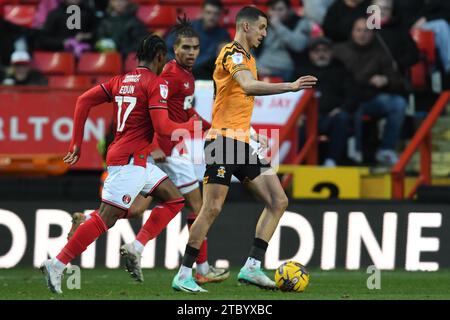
(180, 169)
(124, 183)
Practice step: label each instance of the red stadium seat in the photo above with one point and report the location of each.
(22, 15)
(54, 63)
(182, 2)
(131, 62)
(272, 79)
(419, 76)
(158, 15)
(92, 63)
(192, 12)
(229, 18)
(237, 2)
(425, 43)
(231, 32)
(69, 82)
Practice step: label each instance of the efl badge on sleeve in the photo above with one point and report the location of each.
(237, 58)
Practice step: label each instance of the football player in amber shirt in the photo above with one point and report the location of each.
(228, 153)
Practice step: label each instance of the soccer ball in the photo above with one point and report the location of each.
(292, 276)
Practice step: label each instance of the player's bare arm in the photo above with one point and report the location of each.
(253, 87)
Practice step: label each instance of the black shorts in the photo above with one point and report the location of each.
(226, 157)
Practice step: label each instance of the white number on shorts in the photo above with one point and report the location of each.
(188, 102)
(131, 104)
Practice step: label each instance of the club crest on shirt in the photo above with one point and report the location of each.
(237, 58)
(126, 199)
(163, 90)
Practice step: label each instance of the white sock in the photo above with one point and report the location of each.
(252, 264)
(184, 272)
(58, 265)
(138, 246)
(203, 268)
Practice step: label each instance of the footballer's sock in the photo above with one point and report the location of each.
(138, 246)
(160, 217)
(86, 233)
(257, 253)
(190, 255)
(203, 253)
(202, 268)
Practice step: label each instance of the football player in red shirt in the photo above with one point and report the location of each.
(140, 107)
(171, 156)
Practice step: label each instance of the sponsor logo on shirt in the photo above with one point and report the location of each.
(132, 78)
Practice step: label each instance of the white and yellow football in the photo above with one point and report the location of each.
(292, 276)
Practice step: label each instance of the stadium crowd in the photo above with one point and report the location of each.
(365, 75)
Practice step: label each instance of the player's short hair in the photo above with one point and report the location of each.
(150, 47)
(214, 3)
(183, 29)
(250, 14)
(271, 3)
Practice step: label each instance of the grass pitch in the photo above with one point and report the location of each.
(99, 284)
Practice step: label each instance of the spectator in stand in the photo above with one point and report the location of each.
(340, 16)
(379, 89)
(395, 39)
(120, 30)
(43, 9)
(212, 39)
(287, 36)
(334, 92)
(316, 9)
(56, 36)
(435, 16)
(21, 73)
(9, 34)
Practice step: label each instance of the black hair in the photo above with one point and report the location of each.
(150, 47)
(183, 29)
(215, 3)
(250, 13)
(271, 3)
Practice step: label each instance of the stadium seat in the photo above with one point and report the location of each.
(54, 63)
(192, 12)
(130, 62)
(425, 43)
(22, 15)
(69, 82)
(272, 79)
(237, 2)
(158, 15)
(231, 32)
(183, 2)
(92, 63)
(418, 75)
(230, 15)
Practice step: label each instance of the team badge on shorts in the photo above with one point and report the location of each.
(205, 179)
(126, 199)
(221, 172)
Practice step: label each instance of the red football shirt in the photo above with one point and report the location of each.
(133, 95)
(181, 84)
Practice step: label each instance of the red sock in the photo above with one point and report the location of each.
(203, 251)
(160, 217)
(86, 233)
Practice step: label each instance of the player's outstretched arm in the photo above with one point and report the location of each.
(253, 87)
(85, 102)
